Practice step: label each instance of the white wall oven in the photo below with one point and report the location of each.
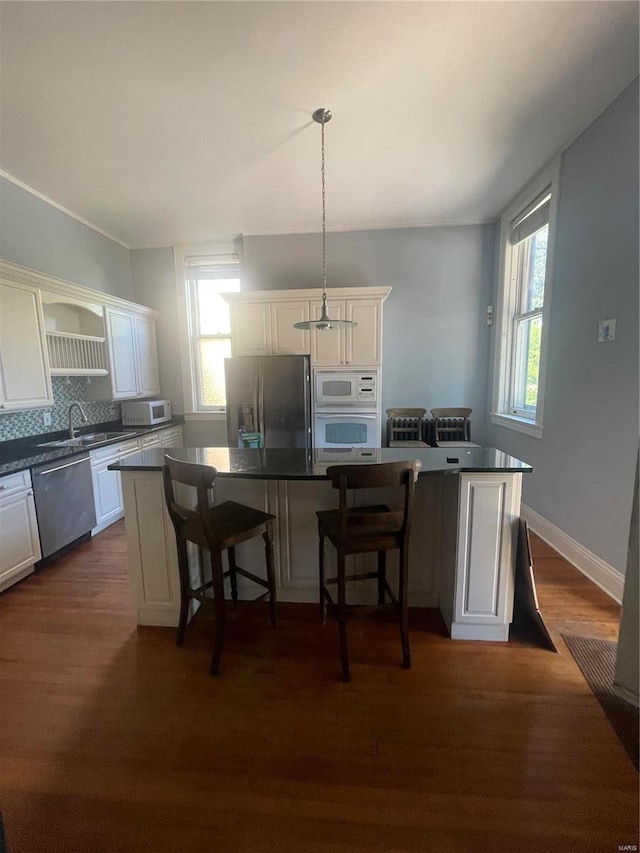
(347, 388)
(342, 429)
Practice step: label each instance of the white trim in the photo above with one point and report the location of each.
(13, 180)
(41, 281)
(205, 416)
(609, 580)
(310, 294)
(522, 425)
(180, 255)
(547, 177)
(486, 633)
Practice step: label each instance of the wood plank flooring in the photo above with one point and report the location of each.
(113, 739)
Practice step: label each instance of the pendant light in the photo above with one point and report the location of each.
(322, 116)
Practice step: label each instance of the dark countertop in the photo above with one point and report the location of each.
(22, 454)
(299, 464)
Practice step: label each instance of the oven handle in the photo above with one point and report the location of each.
(60, 467)
(370, 417)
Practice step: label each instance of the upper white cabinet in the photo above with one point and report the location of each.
(25, 382)
(88, 333)
(285, 340)
(262, 323)
(250, 328)
(146, 349)
(133, 358)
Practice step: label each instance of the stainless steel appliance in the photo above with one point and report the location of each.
(346, 428)
(340, 388)
(269, 395)
(145, 412)
(63, 495)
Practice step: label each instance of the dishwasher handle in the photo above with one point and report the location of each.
(59, 467)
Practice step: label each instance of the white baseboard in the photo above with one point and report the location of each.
(595, 568)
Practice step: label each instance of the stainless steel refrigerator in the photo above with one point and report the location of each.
(269, 395)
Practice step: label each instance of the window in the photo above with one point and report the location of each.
(523, 317)
(207, 341)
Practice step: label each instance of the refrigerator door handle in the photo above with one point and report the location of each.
(261, 405)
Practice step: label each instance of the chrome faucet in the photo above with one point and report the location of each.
(85, 419)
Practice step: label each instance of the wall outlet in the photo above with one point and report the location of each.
(489, 315)
(46, 418)
(606, 330)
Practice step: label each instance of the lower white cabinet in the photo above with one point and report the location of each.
(107, 489)
(18, 529)
(171, 437)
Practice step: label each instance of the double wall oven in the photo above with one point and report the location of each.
(346, 409)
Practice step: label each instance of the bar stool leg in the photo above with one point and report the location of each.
(183, 566)
(404, 609)
(233, 575)
(382, 575)
(271, 577)
(342, 616)
(321, 555)
(218, 599)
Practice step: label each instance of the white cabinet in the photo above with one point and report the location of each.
(171, 437)
(251, 328)
(285, 340)
(353, 346)
(107, 489)
(363, 343)
(24, 366)
(18, 529)
(151, 439)
(266, 328)
(146, 349)
(262, 323)
(133, 358)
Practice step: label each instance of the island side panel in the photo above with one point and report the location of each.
(488, 514)
(151, 547)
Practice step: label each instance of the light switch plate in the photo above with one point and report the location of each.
(46, 418)
(606, 330)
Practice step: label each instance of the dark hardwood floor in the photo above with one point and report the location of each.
(113, 739)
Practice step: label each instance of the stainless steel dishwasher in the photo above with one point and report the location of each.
(63, 494)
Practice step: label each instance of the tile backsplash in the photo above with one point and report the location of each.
(66, 390)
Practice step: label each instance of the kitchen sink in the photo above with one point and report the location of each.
(87, 440)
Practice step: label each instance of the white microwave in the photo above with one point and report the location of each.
(145, 412)
(334, 388)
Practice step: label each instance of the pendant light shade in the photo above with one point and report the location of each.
(322, 116)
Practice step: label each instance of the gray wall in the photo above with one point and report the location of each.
(584, 463)
(435, 343)
(37, 235)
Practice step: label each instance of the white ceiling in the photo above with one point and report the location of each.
(173, 122)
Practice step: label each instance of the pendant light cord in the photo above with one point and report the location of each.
(324, 221)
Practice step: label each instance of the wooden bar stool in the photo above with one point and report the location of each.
(216, 529)
(363, 529)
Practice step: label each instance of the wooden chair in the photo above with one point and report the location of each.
(452, 425)
(405, 427)
(363, 529)
(216, 529)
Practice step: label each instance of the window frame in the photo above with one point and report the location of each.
(502, 413)
(206, 255)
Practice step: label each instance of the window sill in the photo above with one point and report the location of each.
(517, 424)
(205, 416)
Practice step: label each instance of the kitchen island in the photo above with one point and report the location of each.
(464, 536)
